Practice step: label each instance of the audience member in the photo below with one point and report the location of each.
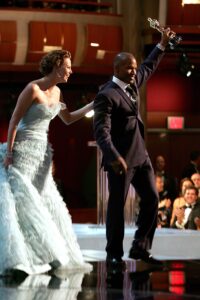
(164, 205)
(180, 201)
(193, 166)
(197, 222)
(187, 216)
(170, 183)
(196, 180)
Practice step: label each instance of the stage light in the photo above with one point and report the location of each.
(185, 66)
(90, 114)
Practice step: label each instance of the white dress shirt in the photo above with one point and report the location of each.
(123, 85)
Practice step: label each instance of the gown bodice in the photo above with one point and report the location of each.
(35, 122)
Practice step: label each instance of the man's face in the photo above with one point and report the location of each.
(159, 184)
(126, 70)
(160, 163)
(190, 196)
(196, 179)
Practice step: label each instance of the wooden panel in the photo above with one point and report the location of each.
(109, 39)
(69, 35)
(8, 34)
(182, 15)
(36, 36)
(174, 12)
(191, 14)
(44, 36)
(53, 34)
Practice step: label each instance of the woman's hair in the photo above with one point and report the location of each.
(182, 182)
(55, 57)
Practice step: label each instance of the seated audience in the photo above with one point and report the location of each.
(180, 201)
(170, 183)
(187, 216)
(196, 180)
(193, 166)
(164, 206)
(197, 222)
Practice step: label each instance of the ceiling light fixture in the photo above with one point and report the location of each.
(190, 2)
(94, 44)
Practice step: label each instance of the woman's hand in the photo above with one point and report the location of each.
(8, 160)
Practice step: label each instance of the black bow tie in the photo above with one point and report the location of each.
(131, 91)
(188, 206)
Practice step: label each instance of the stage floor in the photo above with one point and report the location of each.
(168, 244)
(178, 279)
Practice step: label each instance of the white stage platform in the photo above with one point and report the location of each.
(169, 244)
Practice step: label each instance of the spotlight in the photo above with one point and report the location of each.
(185, 66)
(90, 114)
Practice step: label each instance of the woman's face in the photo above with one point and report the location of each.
(65, 70)
(186, 184)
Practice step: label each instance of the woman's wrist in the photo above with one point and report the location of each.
(9, 154)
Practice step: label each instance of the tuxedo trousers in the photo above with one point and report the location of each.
(143, 180)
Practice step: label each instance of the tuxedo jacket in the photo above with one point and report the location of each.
(189, 170)
(118, 127)
(195, 212)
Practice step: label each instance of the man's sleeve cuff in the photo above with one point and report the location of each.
(159, 46)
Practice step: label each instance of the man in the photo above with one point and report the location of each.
(196, 180)
(164, 205)
(119, 132)
(187, 216)
(193, 166)
(170, 183)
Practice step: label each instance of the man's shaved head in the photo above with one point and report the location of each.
(125, 67)
(122, 57)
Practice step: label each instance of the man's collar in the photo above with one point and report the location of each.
(190, 205)
(120, 83)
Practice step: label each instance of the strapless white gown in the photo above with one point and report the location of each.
(36, 232)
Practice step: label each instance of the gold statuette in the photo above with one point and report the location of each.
(174, 39)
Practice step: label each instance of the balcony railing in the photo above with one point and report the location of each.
(72, 5)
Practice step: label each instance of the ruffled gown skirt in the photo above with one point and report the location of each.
(36, 232)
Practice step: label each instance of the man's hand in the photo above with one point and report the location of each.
(197, 222)
(166, 35)
(119, 166)
(165, 203)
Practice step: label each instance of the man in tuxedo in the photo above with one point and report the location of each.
(170, 183)
(119, 132)
(193, 166)
(187, 217)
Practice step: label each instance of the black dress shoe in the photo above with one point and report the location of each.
(115, 263)
(139, 253)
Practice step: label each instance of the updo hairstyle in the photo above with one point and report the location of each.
(52, 58)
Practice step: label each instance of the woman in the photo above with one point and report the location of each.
(36, 230)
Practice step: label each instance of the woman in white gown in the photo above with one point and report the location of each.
(36, 231)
